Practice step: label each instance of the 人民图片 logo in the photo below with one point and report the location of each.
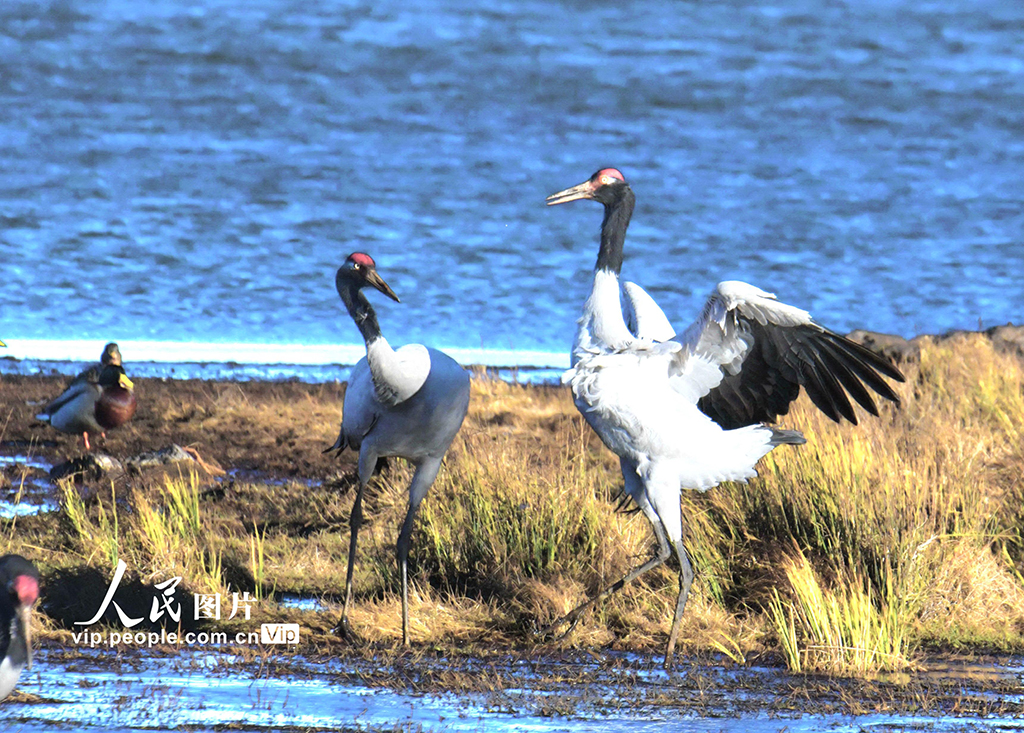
(166, 607)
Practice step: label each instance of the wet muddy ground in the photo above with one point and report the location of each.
(279, 429)
(211, 691)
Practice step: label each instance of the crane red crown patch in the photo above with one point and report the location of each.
(610, 173)
(27, 589)
(363, 259)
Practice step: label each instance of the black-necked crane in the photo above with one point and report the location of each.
(19, 589)
(100, 398)
(690, 409)
(407, 402)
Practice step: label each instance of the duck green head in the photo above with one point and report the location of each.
(113, 374)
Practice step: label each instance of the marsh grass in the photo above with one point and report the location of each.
(257, 561)
(845, 631)
(885, 516)
(169, 534)
(18, 495)
(527, 517)
(97, 532)
(162, 536)
(849, 554)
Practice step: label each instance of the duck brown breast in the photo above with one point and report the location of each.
(115, 407)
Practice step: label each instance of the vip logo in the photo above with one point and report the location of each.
(279, 633)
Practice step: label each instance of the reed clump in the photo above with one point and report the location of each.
(159, 534)
(873, 525)
(853, 628)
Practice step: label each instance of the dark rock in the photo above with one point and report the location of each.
(90, 467)
(1008, 338)
(171, 454)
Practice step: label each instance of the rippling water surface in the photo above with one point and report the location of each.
(196, 171)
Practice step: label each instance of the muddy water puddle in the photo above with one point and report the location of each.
(26, 489)
(302, 602)
(103, 690)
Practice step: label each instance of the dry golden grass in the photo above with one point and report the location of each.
(850, 553)
(917, 505)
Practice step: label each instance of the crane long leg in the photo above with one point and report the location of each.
(685, 581)
(367, 464)
(664, 550)
(422, 480)
(355, 521)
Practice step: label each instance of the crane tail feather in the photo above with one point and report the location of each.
(786, 437)
(339, 444)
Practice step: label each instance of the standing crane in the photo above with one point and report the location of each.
(690, 409)
(408, 402)
(19, 589)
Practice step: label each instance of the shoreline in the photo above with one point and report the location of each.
(269, 373)
(262, 363)
(246, 361)
(319, 364)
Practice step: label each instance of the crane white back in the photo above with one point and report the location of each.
(689, 410)
(408, 402)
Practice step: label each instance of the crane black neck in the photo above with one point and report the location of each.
(617, 214)
(360, 309)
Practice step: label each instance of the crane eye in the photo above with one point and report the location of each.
(606, 180)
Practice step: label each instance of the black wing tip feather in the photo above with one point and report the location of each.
(842, 357)
(857, 368)
(830, 367)
(839, 362)
(880, 362)
(868, 365)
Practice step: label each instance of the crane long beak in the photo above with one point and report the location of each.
(377, 281)
(584, 190)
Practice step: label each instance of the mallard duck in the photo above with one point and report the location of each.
(111, 355)
(19, 589)
(100, 398)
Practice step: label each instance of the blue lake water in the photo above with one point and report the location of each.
(179, 171)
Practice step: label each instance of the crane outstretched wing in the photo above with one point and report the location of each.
(767, 350)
